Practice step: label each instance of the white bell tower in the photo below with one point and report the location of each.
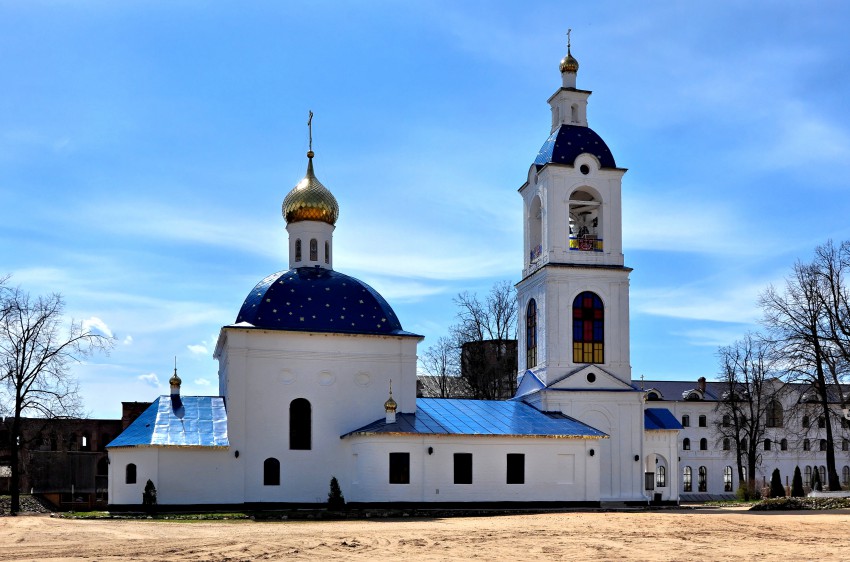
(573, 299)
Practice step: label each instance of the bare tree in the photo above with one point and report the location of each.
(37, 348)
(797, 320)
(748, 401)
(486, 338)
(440, 363)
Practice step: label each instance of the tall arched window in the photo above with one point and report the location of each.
(807, 477)
(271, 472)
(727, 444)
(703, 444)
(767, 444)
(774, 414)
(661, 477)
(727, 479)
(687, 486)
(130, 474)
(535, 230)
(783, 445)
(531, 335)
(574, 113)
(686, 444)
(702, 483)
(314, 250)
(327, 252)
(300, 424)
(588, 328)
(298, 249)
(845, 475)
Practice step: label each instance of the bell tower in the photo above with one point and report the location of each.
(573, 299)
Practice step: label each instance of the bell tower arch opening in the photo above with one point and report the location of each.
(535, 229)
(585, 220)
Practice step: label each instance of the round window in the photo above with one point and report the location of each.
(585, 169)
(591, 377)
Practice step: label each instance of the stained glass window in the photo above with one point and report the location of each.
(588, 329)
(531, 335)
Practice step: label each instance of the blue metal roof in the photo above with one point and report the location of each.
(660, 418)
(313, 299)
(185, 421)
(568, 141)
(446, 416)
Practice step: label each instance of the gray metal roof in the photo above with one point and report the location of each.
(181, 421)
(447, 416)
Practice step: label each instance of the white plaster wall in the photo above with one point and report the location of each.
(305, 231)
(555, 469)
(146, 460)
(345, 378)
(620, 415)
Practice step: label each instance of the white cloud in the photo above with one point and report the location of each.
(150, 379)
(198, 349)
(96, 325)
(127, 340)
(734, 304)
(202, 382)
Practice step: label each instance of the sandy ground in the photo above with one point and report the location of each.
(703, 534)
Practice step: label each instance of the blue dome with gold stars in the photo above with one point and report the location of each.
(569, 141)
(314, 299)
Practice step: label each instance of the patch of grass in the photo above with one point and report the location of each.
(794, 504)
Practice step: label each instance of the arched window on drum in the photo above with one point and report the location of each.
(531, 335)
(588, 329)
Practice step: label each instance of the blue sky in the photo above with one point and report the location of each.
(145, 149)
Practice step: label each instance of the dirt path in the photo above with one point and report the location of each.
(716, 534)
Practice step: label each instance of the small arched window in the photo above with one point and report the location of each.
(774, 414)
(300, 424)
(703, 444)
(727, 479)
(314, 250)
(806, 421)
(703, 479)
(767, 444)
(271, 472)
(574, 113)
(845, 475)
(845, 445)
(686, 420)
(703, 421)
(727, 420)
(298, 249)
(743, 446)
(327, 252)
(687, 485)
(727, 444)
(531, 335)
(822, 445)
(661, 477)
(821, 422)
(783, 445)
(807, 445)
(588, 329)
(807, 477)
(686, 444)
(130, 474)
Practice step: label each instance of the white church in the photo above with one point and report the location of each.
(317, 377)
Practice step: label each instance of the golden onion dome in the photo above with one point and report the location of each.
(390, 405)
(310, 200)
(175, 380)
(569, 63)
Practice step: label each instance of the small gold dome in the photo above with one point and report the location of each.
(310, 200)
(569, 64)
(390, 405)
(175, 380)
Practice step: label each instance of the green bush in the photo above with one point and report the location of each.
(777, 490)
(744, 493)
(797, 484)
(790, 504)
(335, 498)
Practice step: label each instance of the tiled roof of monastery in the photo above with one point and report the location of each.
(446, 416)
(569, 141)
(313, 299)
(187, 421)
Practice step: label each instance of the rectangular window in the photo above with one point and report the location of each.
(463, 468)
(399, 468)
(703, 421)
(516, 468)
